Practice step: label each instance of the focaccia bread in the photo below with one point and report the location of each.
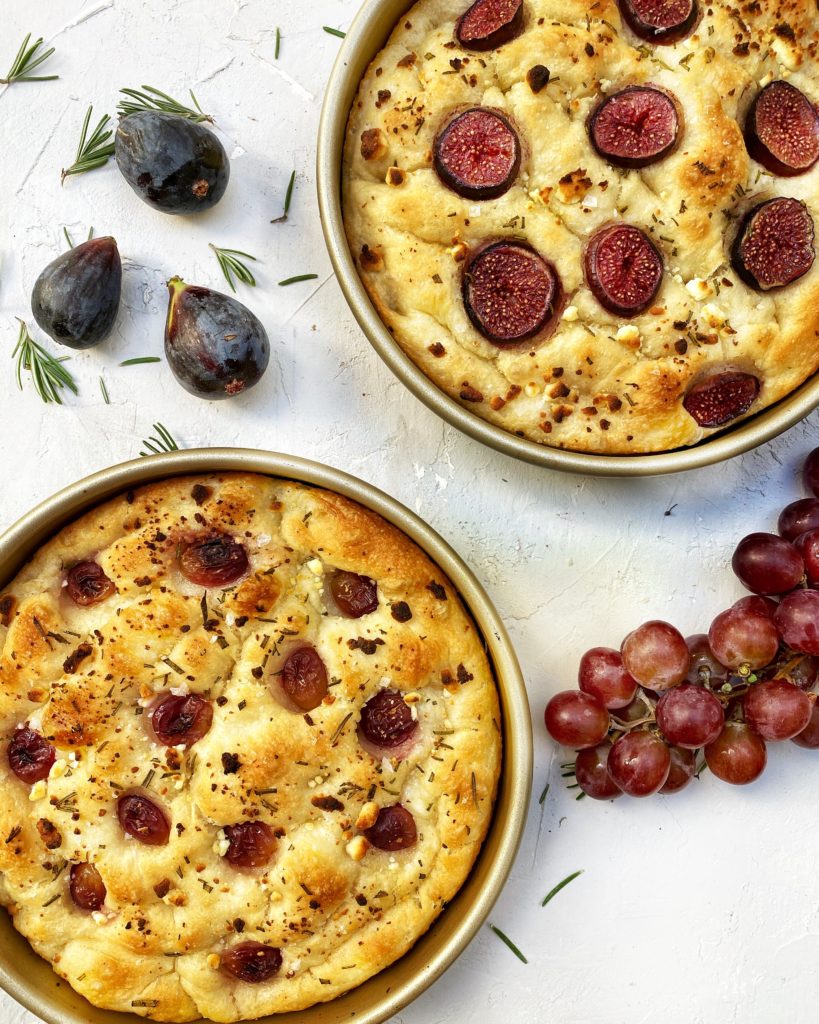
(251, 743)
(708, 329)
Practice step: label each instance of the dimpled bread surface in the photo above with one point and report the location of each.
(596, 382)
(171, 911)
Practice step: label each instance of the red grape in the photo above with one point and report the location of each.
(30, 755)
(689, 716)
(86, 584)
(181, 719)
(809, 737)
(639, 762)
(656, 655)
(704, 667)
(767, 564)
(217, 562)
(143, 819)
(810, 473)
(640, 708)
(576, 719)
(799, 517)
(86, 886)
(603, 675)
(755, 603)
(354, 594)
(252, 962)
(797, 619)
(592, 774)
(738, 755)
(394, 829)
(682, 771)
(777, 709)
(744, 637)
(252, 844)
(386, 719)
(808, 546)
(304, 678)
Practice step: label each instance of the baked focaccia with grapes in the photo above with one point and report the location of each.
(251, 744)
(592, 224)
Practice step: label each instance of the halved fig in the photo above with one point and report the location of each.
(86, 886)
(143, 819)
(774, 246)
(386, 719)
(252, 844)
(394, 829)
(252, 962)
(488, 24)
(624, 269)
(660, 21)
(86, 584)
(355, 595)
(635, 127)
(304, 678)
(181, 719)
(782, 130)
(30, 755)
(510, 292)
(477, 154)
(217, 562)
(721, 397)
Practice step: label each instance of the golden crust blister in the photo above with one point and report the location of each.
(597, 383)
(171, 910)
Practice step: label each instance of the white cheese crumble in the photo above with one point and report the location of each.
(221, 844)
(698, 288)
(570, 314)
(628, 333)
(38, 790)
(316, 566)
(714, 315)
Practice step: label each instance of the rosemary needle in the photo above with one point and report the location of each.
(154, 99)
(48, 374)
(299, 277)
(287, 198)
(93, 152)
(543, 794)
(140, 359)
(104, 390)
(560, 885)
(25, 63)
(278, 43)
(231, 265)
(505, 939)
(163, 443)
(334, 32)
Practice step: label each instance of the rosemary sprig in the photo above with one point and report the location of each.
(154, 99)
(25, 63)
(163, 443)
(334, 32)
(299, 277)
(48, 374)
(560, 885)
(287, 197)
(104, 390)
(543, 794)
(137, 360)
(70, 240)
(505, 939)
(278, 43)
(230, 264)
(92, 152)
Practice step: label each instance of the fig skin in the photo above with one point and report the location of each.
(76, 298)
(214, 345)
(172, 164)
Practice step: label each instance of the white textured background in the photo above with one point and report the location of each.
(693, 909)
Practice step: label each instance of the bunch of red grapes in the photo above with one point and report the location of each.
(643, 713)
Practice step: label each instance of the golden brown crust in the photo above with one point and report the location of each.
(590, 386)
(84, 677)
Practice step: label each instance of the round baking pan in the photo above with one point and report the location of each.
(365, 38)
(31, 980)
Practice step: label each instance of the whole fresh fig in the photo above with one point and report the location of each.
(76, 298)
(215, 346)
(171, 163)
